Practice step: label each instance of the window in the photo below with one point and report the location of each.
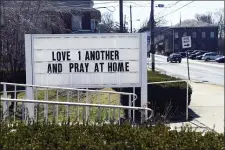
(185, 34)
(92, 24)
(176, 35)
(212, 35)
(203, 34)
(76, 22)
(194, 34)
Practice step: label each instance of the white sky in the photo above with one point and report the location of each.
(141, 10)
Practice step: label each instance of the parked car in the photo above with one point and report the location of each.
(199, 57)
(220, 59)
(189, 52)
(210, 56)
(193, 53)
(174, 57)
(196, 56)
(183, 54)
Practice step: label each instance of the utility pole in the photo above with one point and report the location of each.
(124, 24)
(173, 40)
(152, 24)
(1, 25)
(130, 19)
(121, 16)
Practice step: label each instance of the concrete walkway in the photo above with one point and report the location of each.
(208, 103)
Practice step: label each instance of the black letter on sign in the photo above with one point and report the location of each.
(87, 56)
(71, 66)
(86, 66)
(109, 67)
(96, 67)
(49, 68)
(79, 55)
(117, 55)
(59, 67)
(68, 55)
(127, 66)
(120, 67)
(54, 68)
(101, 66)
(53, 58)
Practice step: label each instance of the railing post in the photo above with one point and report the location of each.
(133, 105)
(87, 108)
(46, 106)
(108, 112)
(29, 107)
(187, 104)
(14, 104)
(129, 111)
(5, 103)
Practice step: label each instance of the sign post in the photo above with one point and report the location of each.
(88, 60)
(186, 43)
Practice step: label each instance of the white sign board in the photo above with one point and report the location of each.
(186, 42)
(86, 60)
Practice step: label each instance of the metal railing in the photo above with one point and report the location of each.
(142, 109)
(187, 90)
(82, 99)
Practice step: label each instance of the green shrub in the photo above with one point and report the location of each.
(112, 137)
(160, 96)
(169, 94)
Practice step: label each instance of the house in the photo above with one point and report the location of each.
(73, 16)
(204, 36)
(78, 16)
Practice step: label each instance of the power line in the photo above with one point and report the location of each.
(168, 7)
(175, 10)
(106, 3)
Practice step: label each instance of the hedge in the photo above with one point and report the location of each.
(170, 96)
(105, 137)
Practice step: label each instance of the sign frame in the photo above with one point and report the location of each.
(29, 53)
(29, 40)
(188, 42)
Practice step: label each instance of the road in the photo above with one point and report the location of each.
(210, 72)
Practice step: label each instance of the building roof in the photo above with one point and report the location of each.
(75, 7)
(192, 23)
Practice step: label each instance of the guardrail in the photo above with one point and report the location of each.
(50, 95)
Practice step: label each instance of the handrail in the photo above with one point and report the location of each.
(172, 81)
(64, 88)
(80, 104)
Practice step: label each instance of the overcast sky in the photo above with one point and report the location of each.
(141, 10)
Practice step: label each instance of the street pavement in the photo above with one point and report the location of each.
(207, 100)
(207, 108)
(211, 72)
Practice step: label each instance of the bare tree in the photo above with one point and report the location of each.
(108, 25)
(208, 18)
(20, 18)
(219, 20)
(158, 23)
(215, 18)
